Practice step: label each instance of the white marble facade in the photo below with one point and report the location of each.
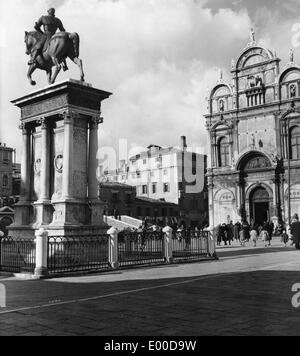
(253, 123)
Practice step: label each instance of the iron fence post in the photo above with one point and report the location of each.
(212, 243)
(41, 264)
(168, 248)
(113, 247)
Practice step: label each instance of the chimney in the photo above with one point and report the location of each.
(183, 143)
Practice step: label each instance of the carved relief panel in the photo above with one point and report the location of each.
(57, 163)
(37, 154)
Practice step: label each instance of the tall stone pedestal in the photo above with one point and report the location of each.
(60, 144)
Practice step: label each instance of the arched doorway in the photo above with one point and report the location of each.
(259, 205)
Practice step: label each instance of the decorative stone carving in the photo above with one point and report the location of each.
(79, 136)
(221, 105)
(43, 123)
(252, 141)
(293, 91)
(79, 184)
(252, 36)
(24, 128)
(226, 197)
(58, 215)
(37, 166)
(95, 121)
(232, 64)
(80, 149)
(256, 163)
(58, 163)
(68, 116)
(292, 55)
(254, 82)
(43, 107)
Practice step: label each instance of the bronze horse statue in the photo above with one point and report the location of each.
(61, 46)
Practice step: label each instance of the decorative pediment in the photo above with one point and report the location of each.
(289, 74)
(253, 56)
(222, 125)
(252, 160)
(221, 91)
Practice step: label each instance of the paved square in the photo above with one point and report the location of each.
(247, 292)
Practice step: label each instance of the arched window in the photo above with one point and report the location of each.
(224, 152)
(295, 143)
(5, 181)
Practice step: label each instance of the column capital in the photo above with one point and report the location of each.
(68, 116)
(240, 182)
(277, 114)
(95, 122)
(24, 127)
(43, 122)
(276, 179)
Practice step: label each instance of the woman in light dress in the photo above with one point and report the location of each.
(253, 236)
(265, 237)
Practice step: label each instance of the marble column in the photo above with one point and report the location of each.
(93, 162)
(68, 156)
(238, 193)
(214, 150)
(26, 163)
(211, 208)
(242, 198)
(45, 168)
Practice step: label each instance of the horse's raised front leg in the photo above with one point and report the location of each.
(78, 61)
(31, 69)
(57, 70)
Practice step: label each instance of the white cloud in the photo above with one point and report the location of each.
(156, 56)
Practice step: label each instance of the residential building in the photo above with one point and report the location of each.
(171, 175)
(10, 176)
(10, 184)
(120, 199)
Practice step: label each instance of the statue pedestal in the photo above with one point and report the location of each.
(60, 145)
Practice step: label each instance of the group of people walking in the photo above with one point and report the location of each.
(243, 232)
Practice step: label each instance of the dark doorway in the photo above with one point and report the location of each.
(260, 206)
(261, 213)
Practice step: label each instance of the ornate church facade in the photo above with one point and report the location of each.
(253, 124)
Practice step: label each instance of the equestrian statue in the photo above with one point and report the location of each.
(49, 48)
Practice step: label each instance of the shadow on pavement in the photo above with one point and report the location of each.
(250, 303)
(253, 251)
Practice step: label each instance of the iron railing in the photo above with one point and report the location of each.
(78, 254)
(94, 253)
(17, 255)
(140, 248)
(191, 245)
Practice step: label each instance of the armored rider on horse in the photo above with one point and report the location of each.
(50, 48)
(51, 24)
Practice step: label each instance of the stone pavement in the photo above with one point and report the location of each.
(246, 292)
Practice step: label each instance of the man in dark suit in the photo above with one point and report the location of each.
(295, 231)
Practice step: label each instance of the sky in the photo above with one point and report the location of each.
(158, 58)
